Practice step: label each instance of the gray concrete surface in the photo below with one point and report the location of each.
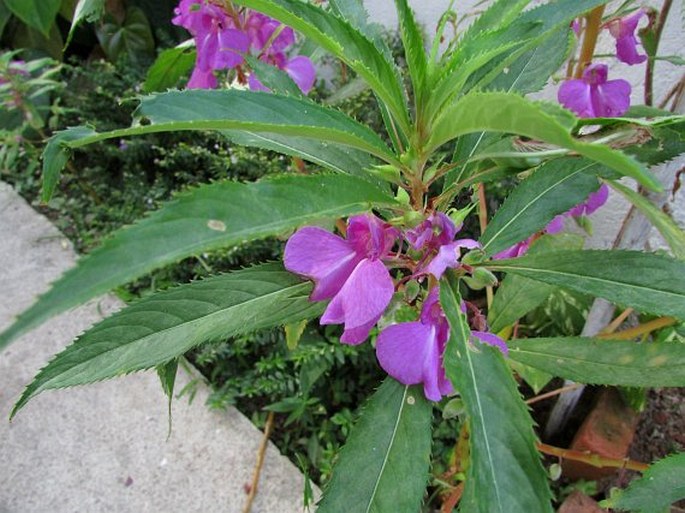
(104, 448)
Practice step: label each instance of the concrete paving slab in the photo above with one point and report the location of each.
(104, 447)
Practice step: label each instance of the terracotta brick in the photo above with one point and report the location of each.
(578, 502)
(607, 431)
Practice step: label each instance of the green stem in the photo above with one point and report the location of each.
(649, 69)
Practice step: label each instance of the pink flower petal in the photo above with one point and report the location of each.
(255, 84)
(596, 199)
(371, 236)
(321, 256)
(491, 340)
(611, 99)
(202, 79)
(626, 51)
(410, 353)
(448, 256)
(575, 96)
(302, 71)
(623, 30)
(355, 336)
(555, 225)
(362, 299)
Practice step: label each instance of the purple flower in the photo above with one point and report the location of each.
(575, 26)
(593, 96)
(515, 251)
(261, 29)
(202, 79)
(436, 235)
(412, 352)
(348, 271)
(300, 69)
(589, 206)
(220, 44)
(592, 203)
(623, 30)
(432, 233)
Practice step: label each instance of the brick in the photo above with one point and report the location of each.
(578, 502)
(607, 431)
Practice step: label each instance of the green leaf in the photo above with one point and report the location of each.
(500, 14)
(534, 378)
(260, 112)
(26, 37)
(645, 281)
(531, 71)
(273, 78)
(336, 157)
(505, 474)
(604, 362)
(220, 214)
(671, 232)
(354, 12)
(415, 53)
(557, 12)
(162, 327)
(167, 376)
(5, 15)
(37, 14)
(509, 113)
(516, 295)
(524, 67)
(246, 111)
(293, 334)
(532, 30)
(339, 37)
(56, 156)
(170, 66)
(454, 76)
(86, 10)
(133, 37)
(385, 463)
(666, 143)
(661, 485)
(554, 188)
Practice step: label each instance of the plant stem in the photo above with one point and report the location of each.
(642, 329)
(675, 93)
(649, 69)
(590, 458)
(483, 218)
(593, 24)
(552, 393)
(613, 325)
(260, 462)
(453, 499)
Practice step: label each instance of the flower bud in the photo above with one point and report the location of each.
(475, 256)
(480, 279)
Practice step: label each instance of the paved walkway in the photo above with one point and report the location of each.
(104, 447)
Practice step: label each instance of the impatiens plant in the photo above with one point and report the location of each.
(439, 307)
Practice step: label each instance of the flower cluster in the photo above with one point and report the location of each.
(593, 95)
(224, 35)
(352, 272)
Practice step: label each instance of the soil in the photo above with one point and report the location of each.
(660, 432)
